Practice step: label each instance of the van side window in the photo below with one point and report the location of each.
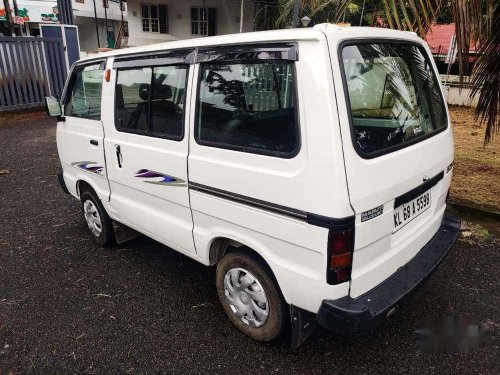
(150, 101)
(248, 107)
(83, 96)
(132, 100)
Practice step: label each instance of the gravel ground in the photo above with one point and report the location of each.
(68, 306)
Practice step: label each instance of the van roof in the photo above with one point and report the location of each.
(317, 32)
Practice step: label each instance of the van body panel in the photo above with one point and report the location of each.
(298, 180)
(377, 182)
(149, 183)
(82, 160)
(294, 250)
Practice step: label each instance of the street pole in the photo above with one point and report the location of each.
(362, 11)
(18, 29)
(121, 9)
(96, 26)
(241, 16)
(8, 17)
(105, 4)
(254, 13)
(295, 16)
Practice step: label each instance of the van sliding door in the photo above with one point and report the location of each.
(147, 147)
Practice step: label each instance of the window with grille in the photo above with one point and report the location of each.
(203, 21)
(154, 18)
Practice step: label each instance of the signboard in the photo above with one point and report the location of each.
(23, 13)
(49, 17)
(20, 19)
(32, 13)
(3, 14)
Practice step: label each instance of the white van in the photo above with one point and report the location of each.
(311, 166)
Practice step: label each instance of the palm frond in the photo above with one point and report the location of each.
(486, 82)
(476, 24)
(411, 15)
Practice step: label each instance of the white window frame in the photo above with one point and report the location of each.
(199, 22)
(151, 19)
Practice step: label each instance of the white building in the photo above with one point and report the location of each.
(36, 12)
(155, 21)
(83, 10)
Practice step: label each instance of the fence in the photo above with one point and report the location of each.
(30, 69)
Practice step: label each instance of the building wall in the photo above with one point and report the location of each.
(87, 32)
(86, 9)
(84, 19)
(179, 19)
(83, 11)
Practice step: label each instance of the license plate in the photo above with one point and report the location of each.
(409, 211)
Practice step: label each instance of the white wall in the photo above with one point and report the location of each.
(87, 32)
(459, 96)
(179, 18)
(84, 19)
(457, 93)
(86, 9)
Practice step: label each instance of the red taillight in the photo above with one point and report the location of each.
(340, 249)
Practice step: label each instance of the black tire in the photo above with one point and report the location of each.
(106, 236)
(275, 322)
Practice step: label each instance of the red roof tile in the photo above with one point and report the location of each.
(439, 36)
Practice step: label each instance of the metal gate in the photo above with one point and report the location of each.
(30, 69)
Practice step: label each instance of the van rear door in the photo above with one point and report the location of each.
(397, 146)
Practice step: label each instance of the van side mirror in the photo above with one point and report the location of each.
(53, 106)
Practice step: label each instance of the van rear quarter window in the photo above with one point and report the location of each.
(248, 107)
(394, 96)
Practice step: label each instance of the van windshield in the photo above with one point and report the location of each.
(394, 96)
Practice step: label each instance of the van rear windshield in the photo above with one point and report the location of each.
(394, 96)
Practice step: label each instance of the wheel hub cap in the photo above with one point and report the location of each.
(92, 217)
(246, 297)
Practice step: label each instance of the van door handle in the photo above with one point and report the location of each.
(118, 155)
(94, 142)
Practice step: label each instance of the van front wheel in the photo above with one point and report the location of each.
(97, 219)
(250, 296)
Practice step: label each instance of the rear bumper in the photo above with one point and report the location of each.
(358, 316)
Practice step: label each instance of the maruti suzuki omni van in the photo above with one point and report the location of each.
(311, 166)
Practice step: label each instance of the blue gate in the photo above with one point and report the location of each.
(30, 69)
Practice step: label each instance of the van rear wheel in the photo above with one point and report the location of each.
(98, 221)
(250, 296)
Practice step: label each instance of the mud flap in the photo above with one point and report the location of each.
(303, 325)
(124, 233)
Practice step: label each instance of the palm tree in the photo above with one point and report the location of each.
(476, 24)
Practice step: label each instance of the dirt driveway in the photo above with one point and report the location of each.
(68, 306)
